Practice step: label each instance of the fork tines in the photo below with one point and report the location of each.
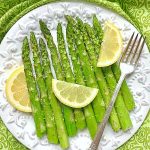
(133, 49)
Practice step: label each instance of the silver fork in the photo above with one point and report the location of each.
(128, 63)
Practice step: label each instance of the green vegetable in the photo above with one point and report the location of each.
(104, 89)
(49, 116)
(33, 94)
(127, 96)
(120, 107)
(79, 116)
(98, 104)
(95, 41)
(67, 111)
(97, 29)
(126, 93)
(88, 110)
(60, 124)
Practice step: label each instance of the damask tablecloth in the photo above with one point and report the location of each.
(135, 11)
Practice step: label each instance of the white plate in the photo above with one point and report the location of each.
(21, 125)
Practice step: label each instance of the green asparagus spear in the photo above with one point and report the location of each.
(127, 95)
(99, 75)
(88, 111)
(79, 116)
(49, 116)
(61, 128)
(97, 29)
(33, 94)
(120, 107)
(68, 112)
(98, 103)
(92, 35)
(128, 98)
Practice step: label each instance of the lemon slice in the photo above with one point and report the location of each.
(73, 95)
(111, 48)
(17, 92)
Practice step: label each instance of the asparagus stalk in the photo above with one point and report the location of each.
(127, 95)
(114, 121)
(49, 116)
(79, 116)
(120, 107)
(61, 128)
(98, 103)
(67, 111)
(88, 110)
(128, 98)
(97, 29)
(33, 94)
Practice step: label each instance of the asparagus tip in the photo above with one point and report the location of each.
(42, 24)
(59, 26)
(41, 41)
(25, 39)
(32, 35)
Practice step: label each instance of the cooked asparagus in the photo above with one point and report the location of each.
(97, 29)
(88, 110)
(128, 98)
(98, 104)
(127, 95)
(60, 124)
(67, 111)
(104, 89)
(33, 94)
(49, 116)
(79, 116)
(120, 107)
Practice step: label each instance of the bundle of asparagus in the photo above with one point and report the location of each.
(121, 110)
(57, 120)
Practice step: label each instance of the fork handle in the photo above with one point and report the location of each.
(95, 143)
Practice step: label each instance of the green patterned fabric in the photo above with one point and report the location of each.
(135, 11)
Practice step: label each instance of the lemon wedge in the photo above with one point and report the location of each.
(17, 92)
(73, 95)
(111, 47)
